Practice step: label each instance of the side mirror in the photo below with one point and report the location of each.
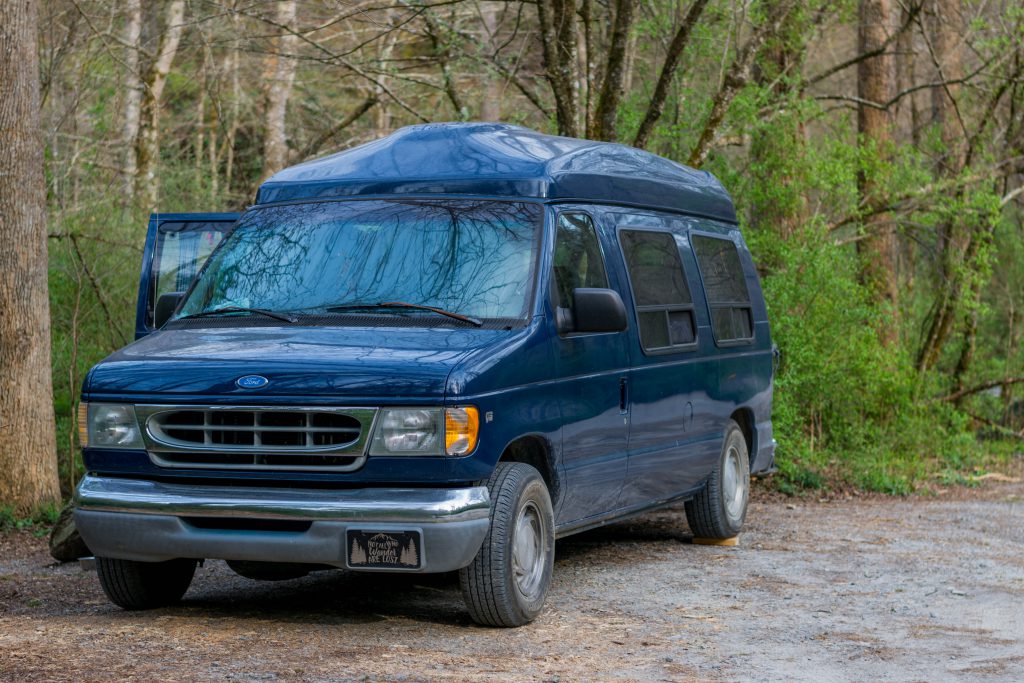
(597, 310)
(166, 304)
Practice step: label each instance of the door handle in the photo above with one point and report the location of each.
(622, 396)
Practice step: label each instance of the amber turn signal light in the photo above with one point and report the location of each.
(461, 428)
(83, 424)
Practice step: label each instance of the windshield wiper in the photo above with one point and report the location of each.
(403, 304)
(241, 309)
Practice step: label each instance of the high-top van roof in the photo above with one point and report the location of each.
(500, 160)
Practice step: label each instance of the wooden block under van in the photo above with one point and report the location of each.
(735, 540)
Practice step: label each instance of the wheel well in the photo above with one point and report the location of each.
(535, 451)
(744, 417)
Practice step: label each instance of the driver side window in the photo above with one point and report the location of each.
(578, 260)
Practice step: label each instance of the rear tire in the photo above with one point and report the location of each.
(508, 580)
(719, 509)
(144, 585)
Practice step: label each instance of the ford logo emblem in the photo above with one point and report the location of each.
(252, 382)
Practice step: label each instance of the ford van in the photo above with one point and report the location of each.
(440, 351)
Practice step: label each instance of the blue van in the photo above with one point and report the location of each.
(439, 351)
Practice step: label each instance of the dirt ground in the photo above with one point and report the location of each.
(919, 589)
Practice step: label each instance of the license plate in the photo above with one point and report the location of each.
(384, 549)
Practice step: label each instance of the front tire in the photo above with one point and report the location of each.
(144, 585)
(508, 580)
(719, 509)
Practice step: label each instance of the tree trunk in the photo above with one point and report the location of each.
(955, 243)
(906, 75)
(133, 91)
(280, 78)
(442, 52)
(586, 61)
(28, 448)
(736, 79)
(615, 70)
(875, 83)
(668, 71)
(490, 107)
(558, 39)
(234, 111)
(778, 148)
(947, 41)
(147, 146)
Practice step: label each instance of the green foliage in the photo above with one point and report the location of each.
(93, 284)
(38, 523)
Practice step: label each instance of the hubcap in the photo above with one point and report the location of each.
(734, 487)
(528, 551)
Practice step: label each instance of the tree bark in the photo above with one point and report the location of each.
(442, 52)
(558, 38)
(947, 43)
(280, 76)
(615, 71)
(955, 241)
(778, 149)
(231, 64)
(735, 79)
(490, 107)
(147, 146)
(28, 449)
(133, 91)
(875, 83)
(906, 74)
(680, 40)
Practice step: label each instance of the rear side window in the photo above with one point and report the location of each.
(661, 296)
(726, 288)
(578, 260)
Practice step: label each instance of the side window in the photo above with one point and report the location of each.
(726, 288)
(660, 293)
(578, 260)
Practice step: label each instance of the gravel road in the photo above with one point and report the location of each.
(920, 589)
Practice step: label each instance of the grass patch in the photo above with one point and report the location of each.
(876, 470)
(38, 523)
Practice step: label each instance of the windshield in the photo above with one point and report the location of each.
(474, 258)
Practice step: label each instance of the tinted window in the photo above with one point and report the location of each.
(726, 287)
(654, 268)
(660, 293)
(472, 257)
(578, 260)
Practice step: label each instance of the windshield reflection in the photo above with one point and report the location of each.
(475, 258)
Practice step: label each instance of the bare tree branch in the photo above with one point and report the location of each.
(735, 79)
(668, 70)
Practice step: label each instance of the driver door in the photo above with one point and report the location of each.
(177, 246)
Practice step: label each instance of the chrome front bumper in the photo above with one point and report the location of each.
(153, 521)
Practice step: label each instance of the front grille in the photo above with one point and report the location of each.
(256, 437)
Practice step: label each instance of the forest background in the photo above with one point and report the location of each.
(875, 150)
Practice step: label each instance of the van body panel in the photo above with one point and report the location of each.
(496, 159)
(331, 362)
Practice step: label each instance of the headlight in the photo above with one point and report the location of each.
(408, 431)
(112, 426)
(425, 431)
